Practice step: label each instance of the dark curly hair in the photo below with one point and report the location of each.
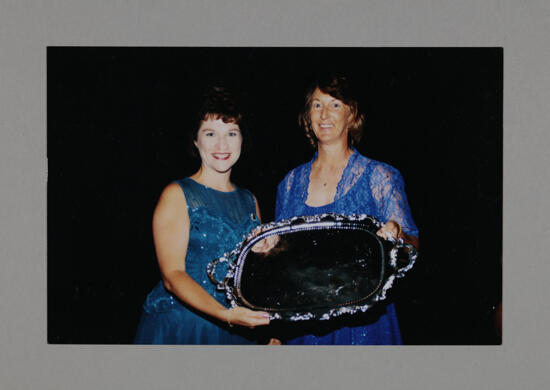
(338, 87)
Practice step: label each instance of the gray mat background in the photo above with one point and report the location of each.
(28, 27)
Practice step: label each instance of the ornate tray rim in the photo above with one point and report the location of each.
(320, 221)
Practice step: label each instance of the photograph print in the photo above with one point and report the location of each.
(274, 195)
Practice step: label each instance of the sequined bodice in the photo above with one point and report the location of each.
(218, 222)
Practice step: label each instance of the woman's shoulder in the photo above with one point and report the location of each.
(172, 202)
(376, 167)
(183, 183)
(297, 172)
(245, 193)
(172, 195)
(173, 189)
(192, 192)
(243, 190)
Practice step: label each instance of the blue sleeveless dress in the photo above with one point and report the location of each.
(366, 187)
(218, 222)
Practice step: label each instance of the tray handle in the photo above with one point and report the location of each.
(402, 257)
(211, 272)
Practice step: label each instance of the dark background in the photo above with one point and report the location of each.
(117, 123)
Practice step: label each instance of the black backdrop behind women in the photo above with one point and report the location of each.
(117, 125)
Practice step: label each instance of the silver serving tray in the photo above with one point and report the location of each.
(323, 266)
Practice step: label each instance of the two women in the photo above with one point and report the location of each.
(199, 218)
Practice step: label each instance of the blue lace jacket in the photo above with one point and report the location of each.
(367, 186)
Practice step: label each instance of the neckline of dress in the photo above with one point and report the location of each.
(212, 189)
(351, 158)
(225, 218)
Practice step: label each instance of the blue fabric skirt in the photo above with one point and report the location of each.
(166, 320)
(378, 326)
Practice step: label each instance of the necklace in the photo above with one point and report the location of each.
(346, 159)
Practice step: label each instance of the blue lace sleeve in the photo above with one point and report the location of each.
(388, 189)
(279, 200)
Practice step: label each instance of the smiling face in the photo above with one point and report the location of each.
(219, 144)
(329, 118)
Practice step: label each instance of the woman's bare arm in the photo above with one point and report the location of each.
(171, 236)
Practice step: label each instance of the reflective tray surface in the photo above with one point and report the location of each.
(322, 266)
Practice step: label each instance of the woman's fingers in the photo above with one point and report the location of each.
(266, 244)
(389, 231)
(272, 241)
(245, 317)
(260, 246)
(262, 318)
